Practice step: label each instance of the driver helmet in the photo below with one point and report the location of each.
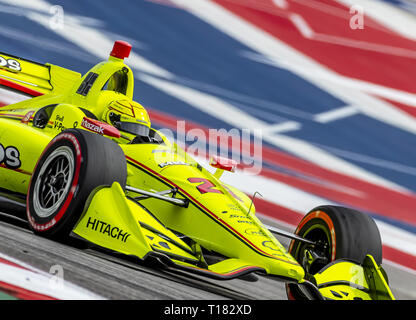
(128, 116)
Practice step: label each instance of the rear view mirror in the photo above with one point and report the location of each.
(222, 164)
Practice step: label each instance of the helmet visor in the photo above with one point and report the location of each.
(133, 128)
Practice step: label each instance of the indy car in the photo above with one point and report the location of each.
(79, 158)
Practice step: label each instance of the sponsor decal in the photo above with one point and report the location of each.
(171, 163)
(41, 227)
(270, 245)
(237, 216)
(245, 221)
(10, 64)
(254, 232)
(58, 123)
(92, 126)
(277, 251)
(108, 229)
(59, 126)
(10, 157)
(233, 207)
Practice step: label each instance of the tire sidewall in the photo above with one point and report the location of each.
(98, 161)
(43, 224)
(352, 235)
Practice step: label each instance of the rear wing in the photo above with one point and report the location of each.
(34, 79)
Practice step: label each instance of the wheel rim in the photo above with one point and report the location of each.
(318, 234)
(54, 182)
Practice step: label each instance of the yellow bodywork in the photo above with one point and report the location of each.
(345, 280)
(217, 217)
(114, 222)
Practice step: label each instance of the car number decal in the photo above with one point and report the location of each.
(205, 186)
(10, 64)
(10, 157)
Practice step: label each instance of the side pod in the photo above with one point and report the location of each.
(113, 221)
(108, 222)
(346, 280)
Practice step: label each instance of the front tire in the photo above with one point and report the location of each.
(72, 165)
(343, 234)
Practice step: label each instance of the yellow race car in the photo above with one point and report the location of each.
(81, 159)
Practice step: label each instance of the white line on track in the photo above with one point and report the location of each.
(282, 127)
(306, 31)
(85, 36)
(336, 114)
(282, 4)
(356, 84)
(390, 165)
(302, 26)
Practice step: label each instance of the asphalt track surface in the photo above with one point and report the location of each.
(114, 277)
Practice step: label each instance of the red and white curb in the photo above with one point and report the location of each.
(25, 282)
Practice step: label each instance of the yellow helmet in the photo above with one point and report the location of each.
(128, 116)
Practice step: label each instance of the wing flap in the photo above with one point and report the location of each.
(33, 78)
(24, 73)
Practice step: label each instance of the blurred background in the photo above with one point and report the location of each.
(331, 84)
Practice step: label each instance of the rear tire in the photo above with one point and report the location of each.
(346, 233)
(72, 165)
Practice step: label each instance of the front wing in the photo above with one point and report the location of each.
(113, 221)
